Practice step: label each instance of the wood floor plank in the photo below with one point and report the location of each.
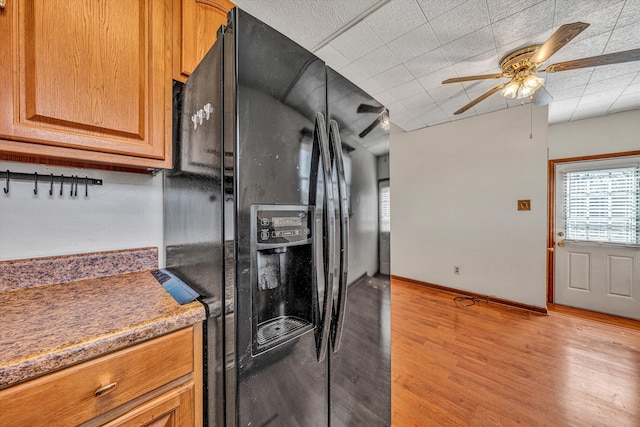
(494, 365)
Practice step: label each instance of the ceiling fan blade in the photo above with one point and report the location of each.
(470, 78)
(480, 98)
(542, 97)
(561, 37)
(593, 61)
(366, 108)
(369, 128)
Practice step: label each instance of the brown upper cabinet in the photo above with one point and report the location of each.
(196, 24)
(86, 82)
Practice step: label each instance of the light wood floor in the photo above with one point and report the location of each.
(491, 365)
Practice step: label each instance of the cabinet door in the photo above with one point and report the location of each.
(87, 80)
(97, 387)
(174, 408)
(196, 24)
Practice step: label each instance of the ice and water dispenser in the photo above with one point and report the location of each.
(283, 292)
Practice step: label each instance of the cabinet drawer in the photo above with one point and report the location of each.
(77, 394)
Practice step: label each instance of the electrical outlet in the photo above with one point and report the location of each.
(456, 269)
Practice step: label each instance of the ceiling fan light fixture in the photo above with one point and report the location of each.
(529, 86)
(511, 89)
(533, 82)
(524, 92)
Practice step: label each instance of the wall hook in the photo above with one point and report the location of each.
(37, 178)
(6, 188)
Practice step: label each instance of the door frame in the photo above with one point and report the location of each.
(551, 209)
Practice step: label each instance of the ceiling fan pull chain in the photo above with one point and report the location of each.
(531, 121)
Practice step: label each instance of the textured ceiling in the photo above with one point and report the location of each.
(400, 51)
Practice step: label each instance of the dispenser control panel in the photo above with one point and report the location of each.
(277, 225)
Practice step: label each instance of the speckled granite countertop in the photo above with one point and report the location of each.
(45, 328)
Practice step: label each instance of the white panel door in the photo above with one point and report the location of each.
(594, 275)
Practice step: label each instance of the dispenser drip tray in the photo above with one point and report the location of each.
(281, 329)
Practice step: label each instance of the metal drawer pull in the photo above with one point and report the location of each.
(106, 389)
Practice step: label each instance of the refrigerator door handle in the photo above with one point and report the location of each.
(336, 143)
(329, 230)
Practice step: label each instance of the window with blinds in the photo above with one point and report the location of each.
(603, 205)
(385, 209)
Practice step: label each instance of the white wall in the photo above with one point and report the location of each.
(125, 212)
(454, 193)
(615, 133)
(363, 221)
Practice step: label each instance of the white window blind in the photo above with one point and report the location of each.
(603, 205)
(385, 209)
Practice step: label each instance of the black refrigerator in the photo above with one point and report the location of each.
(271, 217)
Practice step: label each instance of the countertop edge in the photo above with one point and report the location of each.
(56, 359)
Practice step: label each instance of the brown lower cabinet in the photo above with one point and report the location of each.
(154, 383)
(174, 408)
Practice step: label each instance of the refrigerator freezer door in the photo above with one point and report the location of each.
(279, 89)
(193, 207)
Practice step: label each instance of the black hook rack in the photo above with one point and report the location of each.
(72, 179)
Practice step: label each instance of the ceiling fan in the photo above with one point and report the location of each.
(520, 66)
(383, 117)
